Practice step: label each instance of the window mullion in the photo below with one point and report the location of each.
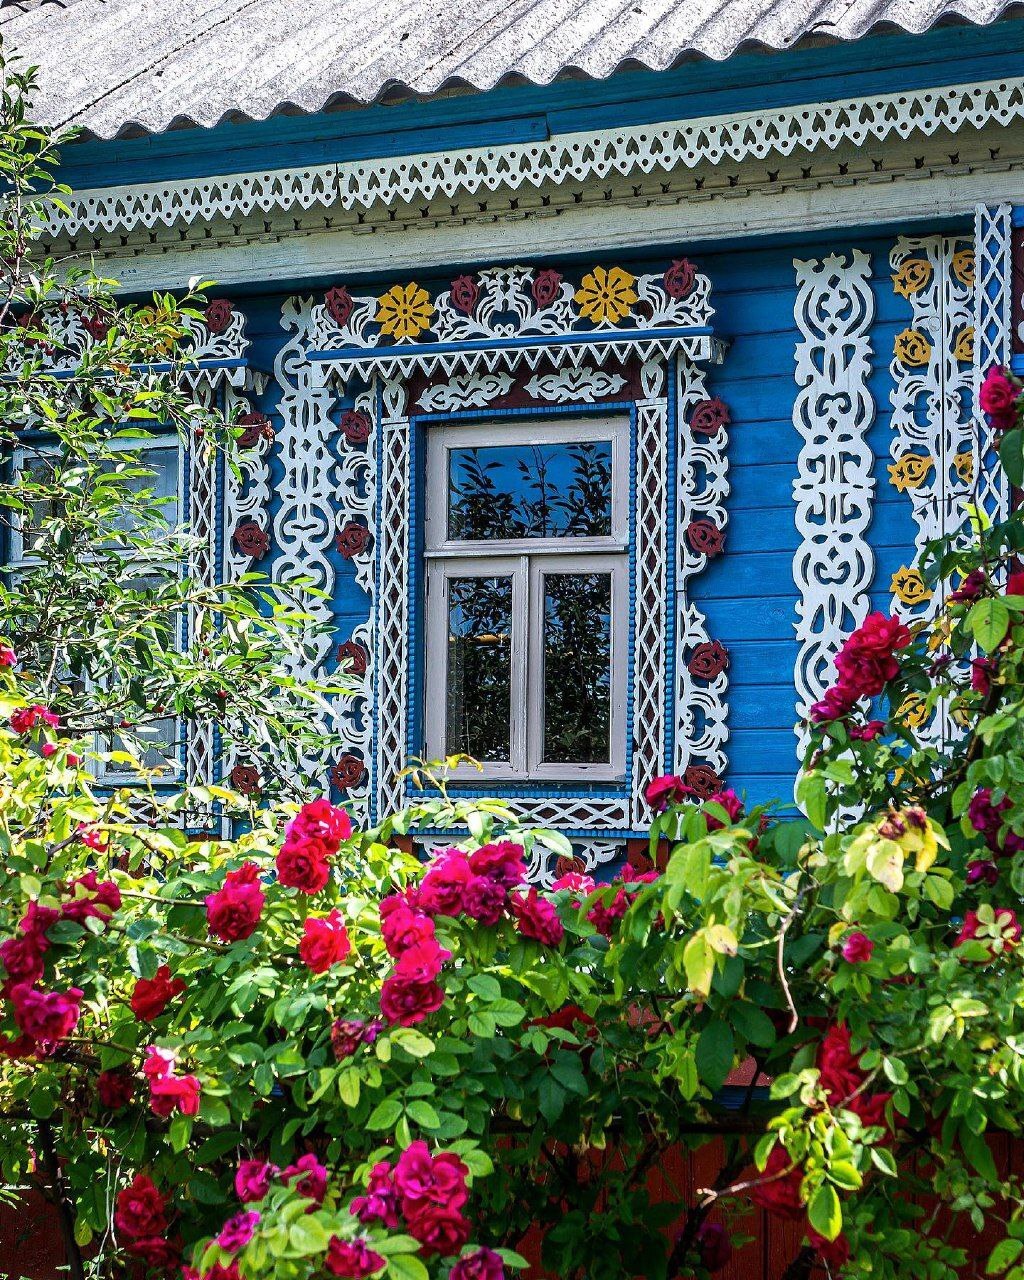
(521, 662)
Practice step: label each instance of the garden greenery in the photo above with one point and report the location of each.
(303, 1051)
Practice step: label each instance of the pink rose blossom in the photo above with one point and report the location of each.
(351, 1259)
(234, 911)
(310, 1178)
(404, 1003)
(442, 887)
(253, 1178)
(481, 1264)
(380, 1204)
(537, 917)
(857, 948)
(325, 942)
(238, 1231)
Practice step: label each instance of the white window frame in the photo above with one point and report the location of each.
(21, 560)
(527, 561)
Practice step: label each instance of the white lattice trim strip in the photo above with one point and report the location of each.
(599, 348)
(992, 341)
(564, 158)
(834, 488)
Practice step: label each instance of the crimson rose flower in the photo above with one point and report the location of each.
(352, 1259)
(421, 962)
(779, 1192)
(666, 790)
(321, 820)
(502, 862)
(251, 539)
(481, 1264)
(347, 1034)
(115, 1089)
(338, 304)
(91, 899)
(352, 539)
(404, 1003)
(707, 416)
(311, 1178)
(380, 1204)
(302, 865)
(727, 800)
(218, 315)
(402, 926)
(324, 942)
(151, 996)
(484, 899)
(170, 1093)
(238, 1230)
(422, 1178)
(971, 587)
(866, 661)
(252, 1180)
(545, 287)
(233, 912)
(537, 917)
(156, 1252)
(836, 1253)
(47, 1017)
(442, 887)
(140, 1210)
(998, 399)
(464, 294)
(705, 537)
(857, 948)
(23, 959)
(439, 1229)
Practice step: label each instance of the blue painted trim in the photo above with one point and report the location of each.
(1017, 364)
(1017, 215)
(671, 504)
(746, 81)
(368, 355)
(419, 424)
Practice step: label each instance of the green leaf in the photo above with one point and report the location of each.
(423, 1114)
(485, 985)
(1006, 1252)
(348, 1087)
(752, 1023)
(307, 1236)
(989, 620)
(551, 1099)
(406, 1266)
(825, 1212)
(812, 796)
(1011, 455)
(699, 962)
(385, 1115)
(714, 1057)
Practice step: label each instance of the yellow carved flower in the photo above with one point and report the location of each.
(912, 348)
(912, 276)
(404, 311)
(912, 710)
(962, 715)
(606, 295)
(963, 266)
(910, 471)
(963, 464)
(963, 348)
(908, 586)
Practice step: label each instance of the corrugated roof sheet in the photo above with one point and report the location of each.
(124, 65)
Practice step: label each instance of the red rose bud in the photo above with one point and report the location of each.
(151, 996)
(324, 943)
(857, 948)
(997, 397)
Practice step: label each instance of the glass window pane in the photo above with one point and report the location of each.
(577, 667)
(160, 479)
(479, 695)
(155, 749)
(531, 491)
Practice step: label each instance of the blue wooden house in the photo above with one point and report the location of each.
(606, 363)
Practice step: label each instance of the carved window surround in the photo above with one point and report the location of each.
(520, 341)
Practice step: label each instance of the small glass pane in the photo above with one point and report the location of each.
(479, 696)
(577, 667)
(159, 468)
(155, 748)
(530, 491)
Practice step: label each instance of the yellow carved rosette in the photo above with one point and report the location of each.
(963, 464)
(606, 296)
(909, 587)
(963, 345)
(910, 471)
(963, 266)
(404, 311)
(912, 348)
(912, 276)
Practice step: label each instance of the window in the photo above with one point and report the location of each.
(159, 460)
(527, 542)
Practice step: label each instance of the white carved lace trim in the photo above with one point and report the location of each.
(566, 157)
